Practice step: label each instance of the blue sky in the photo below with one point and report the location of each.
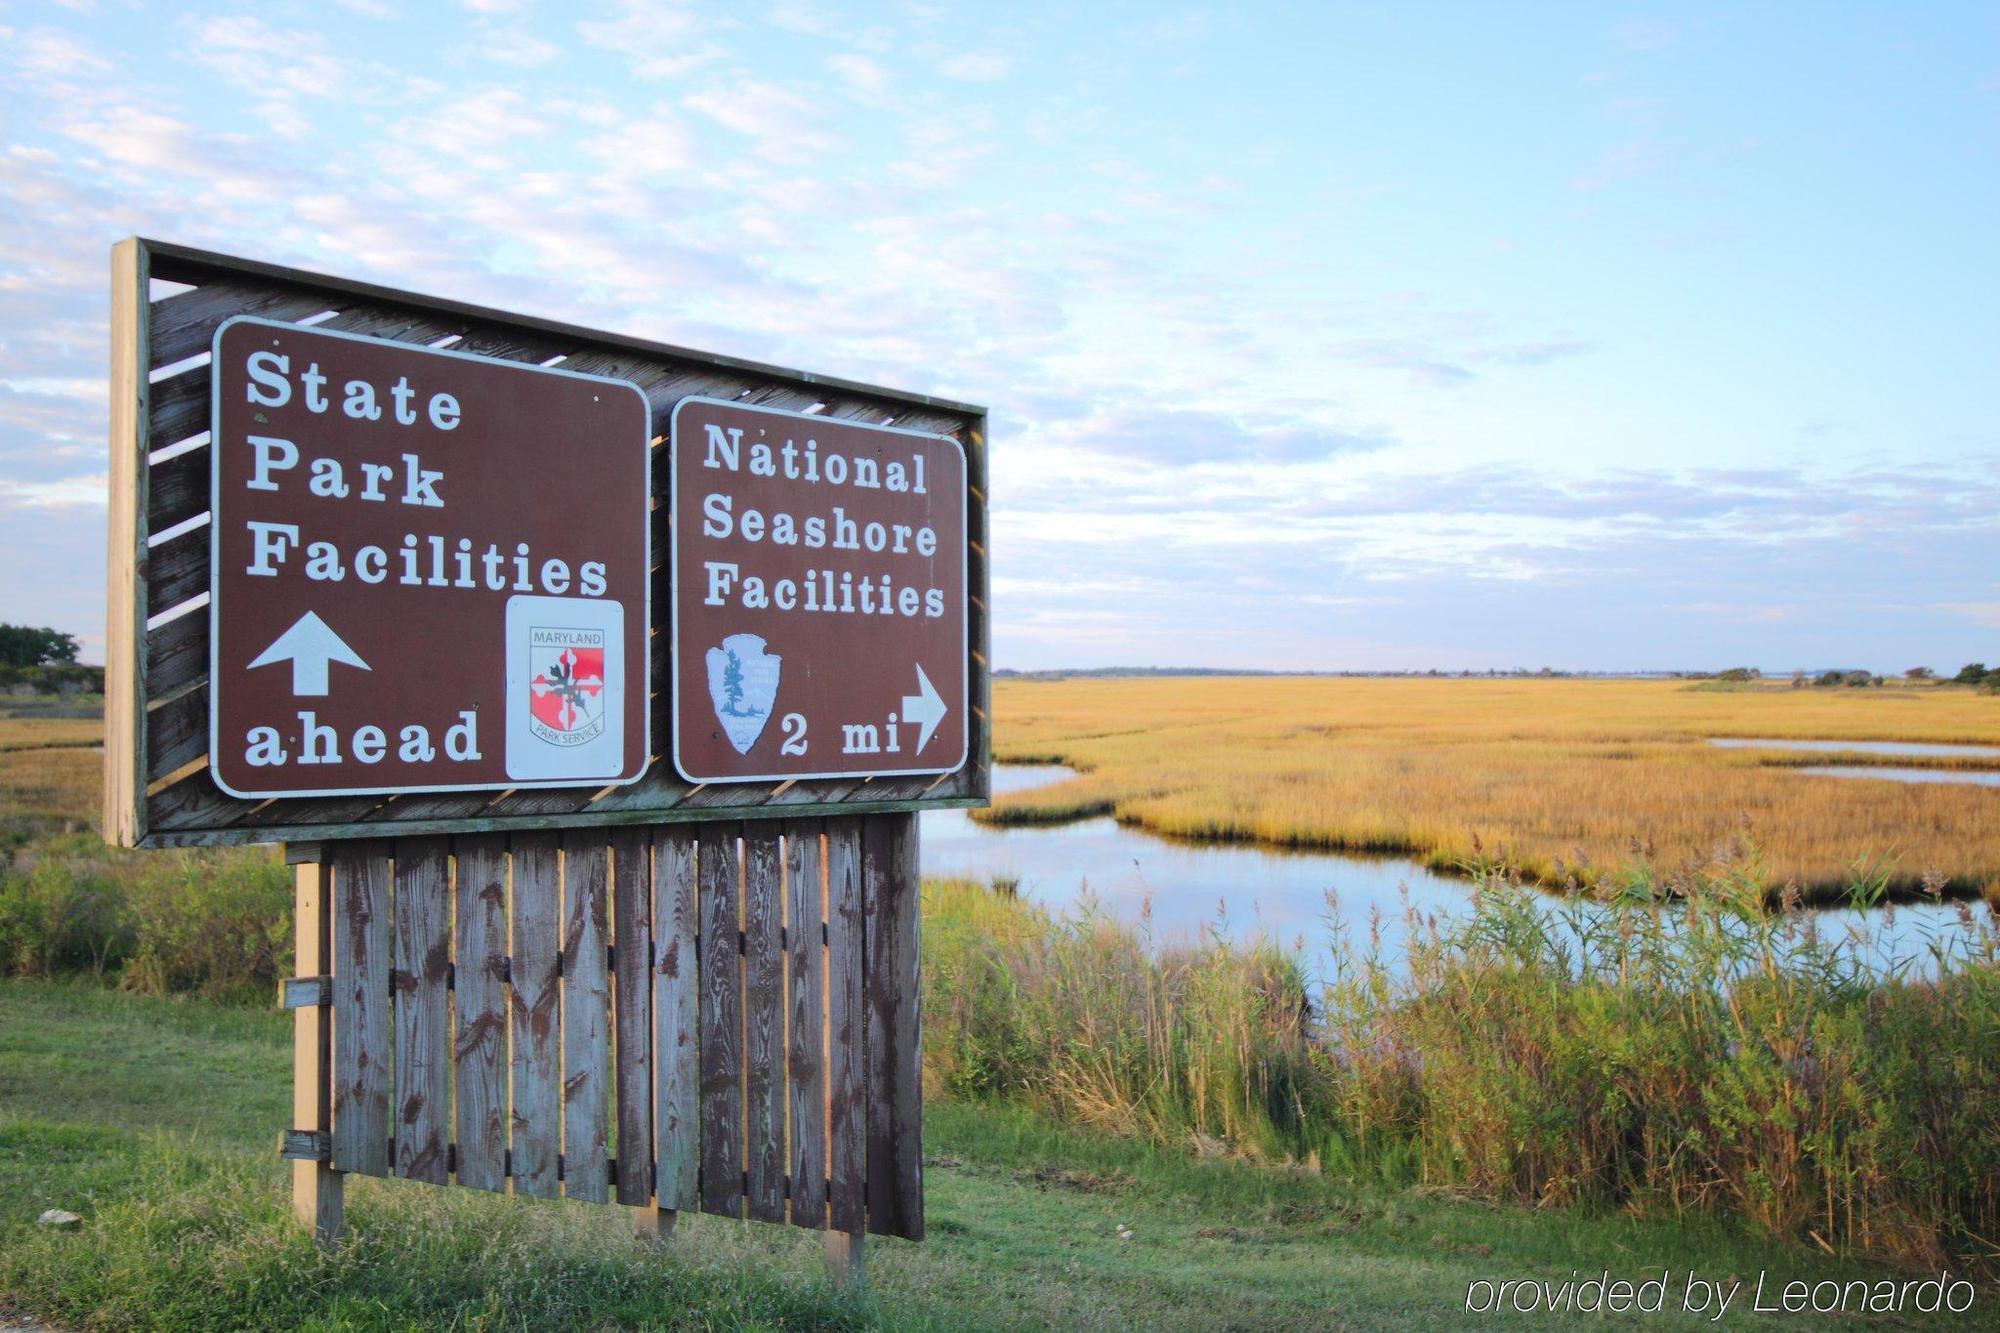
(1321, 336)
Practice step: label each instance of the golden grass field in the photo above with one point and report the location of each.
(51, 774)
(1553, 777)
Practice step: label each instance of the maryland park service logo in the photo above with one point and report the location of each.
(566, 685)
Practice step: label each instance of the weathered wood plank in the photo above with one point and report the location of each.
(177, 731)
(846, 1068)
(764, 1020)
(721, 1024)
(177, 570)
(126, 604)
(889, 889)
(176, 655)
(185, 322)
(534, 1126)
(676, 1020)
(362, 1036)
(805, 922)
(178, 407)
(178, 489)
(479, 1049)
(423, 1007)
(586, 1015)
(632, 1010)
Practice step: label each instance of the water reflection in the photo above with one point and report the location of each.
(1857, 747)
(1973, 776)
(1249, 891)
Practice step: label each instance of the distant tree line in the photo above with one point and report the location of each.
(40, 660)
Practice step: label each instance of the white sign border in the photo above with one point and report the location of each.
(215, 562)
(673, 584)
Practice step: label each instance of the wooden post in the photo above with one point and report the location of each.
(846, 1258)
(316, 1186)
(654, 1225)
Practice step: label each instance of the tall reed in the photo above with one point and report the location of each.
(1667, 1046)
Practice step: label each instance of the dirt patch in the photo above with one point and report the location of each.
(1083, 1182)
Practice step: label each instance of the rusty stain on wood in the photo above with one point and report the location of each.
(423, 961)
(676, 1019)
(846, 1073)
(764, 1021)
(721, 1024)
(586, 1037)
(363, 1075)
(805, 930)
(534, 1129)
(632, 1011)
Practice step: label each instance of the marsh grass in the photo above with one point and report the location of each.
(1557, 779)
(1675, 1048)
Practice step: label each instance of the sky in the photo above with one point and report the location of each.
(1328, 337)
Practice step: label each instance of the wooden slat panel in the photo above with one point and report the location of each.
(586, 1015)
(177, 570)
(479, 1049)
(846, 1072)
(632, 1010)
(676, 1020)
(423, 1007)
(178, 490)
(362, 1060)
(177, 731)
(178, 407)
(805, 917)
(185, 322)
(176, 654)
(889, 890)
(534, 1128)
(721, 1025)
(764, 1021)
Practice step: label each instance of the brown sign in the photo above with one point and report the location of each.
(819, 605)
(429, 569)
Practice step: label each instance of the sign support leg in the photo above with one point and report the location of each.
(846, 1258)
(654, 1225)
(317, 1188)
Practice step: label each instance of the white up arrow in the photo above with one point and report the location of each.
(925, 709)
(309, 646)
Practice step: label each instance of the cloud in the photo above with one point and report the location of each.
(1981, 613)
(63, 493)
(1180, 438)
(861, 73)
(657, 39)
(977, 67)
(782, 125)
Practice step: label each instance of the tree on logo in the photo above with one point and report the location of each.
(732, 685)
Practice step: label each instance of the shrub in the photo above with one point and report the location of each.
(63, 914)
(214, 923)
(1972, 673)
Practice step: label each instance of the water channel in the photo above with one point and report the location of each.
(1249, 891)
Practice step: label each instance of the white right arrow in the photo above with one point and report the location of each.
(309, 646)
(926, 709)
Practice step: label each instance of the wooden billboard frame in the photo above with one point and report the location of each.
(158, 791)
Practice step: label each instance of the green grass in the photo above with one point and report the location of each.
(157, 1119)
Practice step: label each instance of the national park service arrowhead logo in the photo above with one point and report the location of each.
(743, 684)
